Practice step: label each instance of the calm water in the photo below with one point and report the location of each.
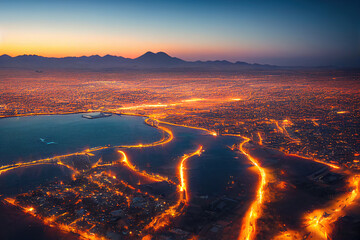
(36, 137)
(20, 140)
(20, 137)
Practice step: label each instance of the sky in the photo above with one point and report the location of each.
(289, 33)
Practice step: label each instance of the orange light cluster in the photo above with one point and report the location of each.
(182, 102)
(260, 138)
(197, 128)
(50, 221)
(282, 129)
(151, 177)
(319, 221)
(316, 160)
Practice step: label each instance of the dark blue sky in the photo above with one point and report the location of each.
(289, 32)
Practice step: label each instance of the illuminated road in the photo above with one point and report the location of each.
(315, 160)
(183, 184)
(151, 177)
(248, 228)
(197, 128)
(176, 210)
(260, 138)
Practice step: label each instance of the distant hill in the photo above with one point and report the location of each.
(159, 58)
(149, 60)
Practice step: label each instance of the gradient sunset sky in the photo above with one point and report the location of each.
(292, 32)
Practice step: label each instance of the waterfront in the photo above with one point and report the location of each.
(214, 176)
(20, 137)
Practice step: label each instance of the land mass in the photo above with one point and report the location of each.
(149, 60)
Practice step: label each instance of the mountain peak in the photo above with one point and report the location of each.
(162, 54)
(161, 58)
(148, 53)
(152, 54)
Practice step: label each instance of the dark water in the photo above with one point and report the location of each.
(20, 137)
(20, 140)
(208, 174)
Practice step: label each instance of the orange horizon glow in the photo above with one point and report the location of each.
(51, 43)
(58, 46)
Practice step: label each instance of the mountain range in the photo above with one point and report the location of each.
(148, 60)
